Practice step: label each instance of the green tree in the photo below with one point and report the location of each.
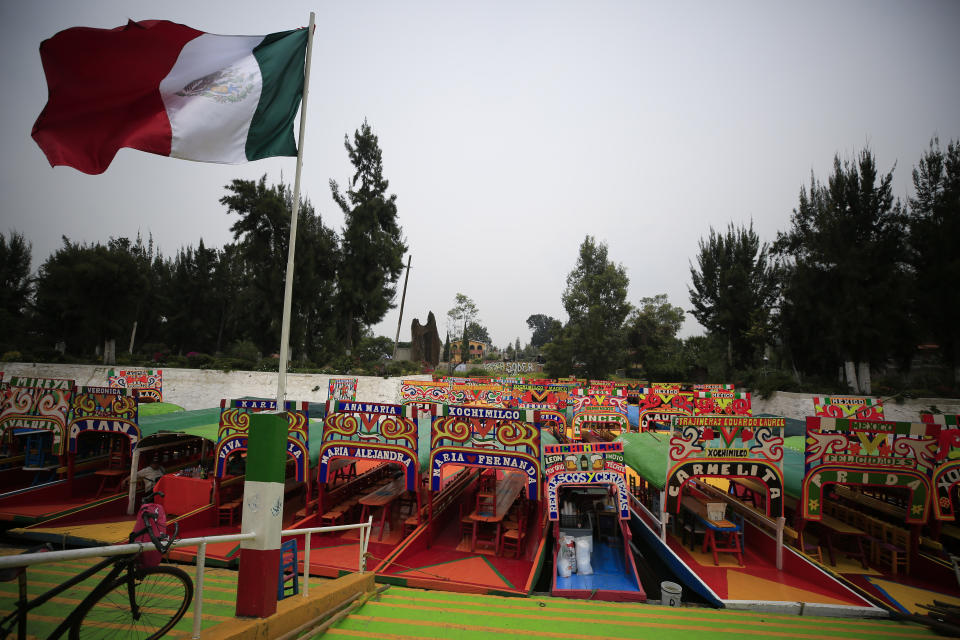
(373, 245)
(462, 314)
(87, 294)
(16, 288)
(595, 299)
(734, 291)
(262, 235)
(651, 334)
(478, 333)
(544, 328)
(373, 350)
(845, 291)
(934, 229)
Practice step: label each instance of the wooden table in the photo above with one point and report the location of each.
(727, 529)
(508, 488)
(838, 528)
(383, 497)
(342, 468)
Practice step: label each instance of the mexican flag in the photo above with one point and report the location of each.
(165, 88)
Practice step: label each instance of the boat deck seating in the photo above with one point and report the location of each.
(442, 501)
(758, 517)
(889, 544)
(351, 490)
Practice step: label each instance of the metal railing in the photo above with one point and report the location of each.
(28, 559)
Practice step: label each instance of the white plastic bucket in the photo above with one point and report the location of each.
(670, 593)
(716, 511)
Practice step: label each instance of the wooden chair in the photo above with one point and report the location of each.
(486, 502)
(289, 576)
(894, 550)
(691, 528)
(874, 528)
(227, 511)
(407, 503)
(466, 523)
(487, 481)
(410, 524)
(809, 548)
(515, 533)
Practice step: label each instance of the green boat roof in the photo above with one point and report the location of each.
(646, 454)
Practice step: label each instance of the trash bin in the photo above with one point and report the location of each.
(670, 593)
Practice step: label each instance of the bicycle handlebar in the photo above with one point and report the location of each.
(157, 542)
(152, 496)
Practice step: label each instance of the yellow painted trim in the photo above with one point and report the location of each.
(293, 611)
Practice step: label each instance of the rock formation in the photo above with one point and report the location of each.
(425, 345)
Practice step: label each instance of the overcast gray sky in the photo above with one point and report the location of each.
(511, 130)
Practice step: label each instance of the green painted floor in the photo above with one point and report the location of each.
(220, 588)
(412, 613)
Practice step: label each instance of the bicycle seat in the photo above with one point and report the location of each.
(6, 575)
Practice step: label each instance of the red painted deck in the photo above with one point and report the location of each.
(448, 563)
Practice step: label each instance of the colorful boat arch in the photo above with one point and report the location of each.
(235, 425)
(104, 410)
(371, 431)
(946, 476)
(726, 447)
(598, 409)
(340, 390)
(424, 394)
(870, 453)
(478, 395)
(147, 384)
(486, 438)
(585, 464)
(550, 419)
(535, 394)
(848, 407)
(37, 404)
(722, 402)
(660, 404)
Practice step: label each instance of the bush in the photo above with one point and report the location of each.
(174, 361)
(268, 364)
(477, 372)
(12, 356)
(232, 364)
(197, 360)
(244, 350)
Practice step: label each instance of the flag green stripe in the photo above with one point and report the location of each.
(267, 450)
(281, 57)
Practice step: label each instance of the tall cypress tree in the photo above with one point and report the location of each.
(934, 229)
(373, 246)
(734, 288)
(845, 270)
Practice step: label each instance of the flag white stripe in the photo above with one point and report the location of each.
(210, 96)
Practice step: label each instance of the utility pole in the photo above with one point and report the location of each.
(403, 299)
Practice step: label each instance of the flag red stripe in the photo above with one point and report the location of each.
(103, 92)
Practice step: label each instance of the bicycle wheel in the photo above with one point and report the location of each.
(162, 596)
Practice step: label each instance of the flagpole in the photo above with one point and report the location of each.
(288, 281)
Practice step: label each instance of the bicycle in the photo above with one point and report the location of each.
(131, 601)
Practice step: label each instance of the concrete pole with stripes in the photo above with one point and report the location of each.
(263, 515)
